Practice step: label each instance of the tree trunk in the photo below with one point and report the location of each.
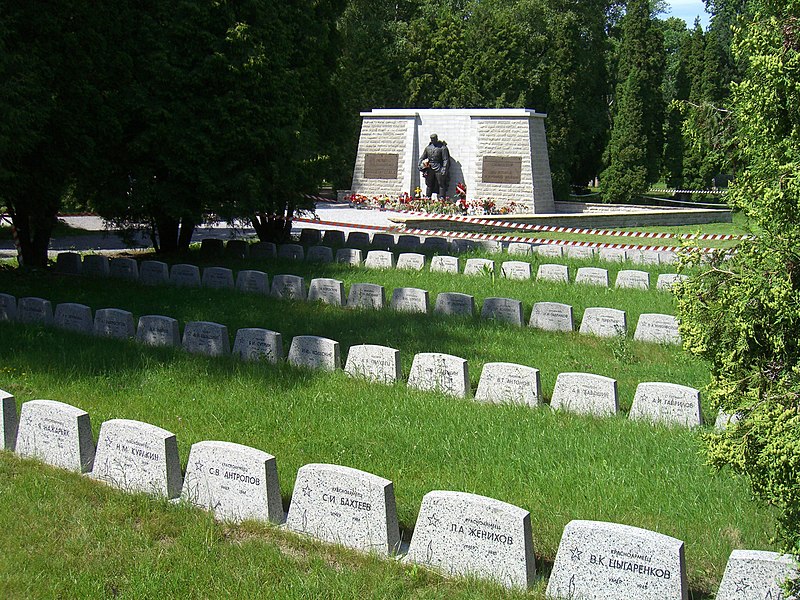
(33, 232)
(272, 228)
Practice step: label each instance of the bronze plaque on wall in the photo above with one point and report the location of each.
(380, 166)
(502, 169)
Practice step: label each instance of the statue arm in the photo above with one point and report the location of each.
(445, 159)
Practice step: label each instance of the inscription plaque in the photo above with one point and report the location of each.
(380, 166)
(502, 169)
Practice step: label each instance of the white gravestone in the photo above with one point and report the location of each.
(585, 394)
(349, 256)
(158, 330)
(466, 534)
(153, 272)
(319, 254)
(667, 403)
(667, 257)
(263, 250)
(366, 295)
(8, 307)
(185, 276)
(253, 343)
(289, 287)
(613, 254)
(630, 278)
(551, 316)
(379, 259)
(410, 300)
(444, 264)
(34, 310)
(383, 241)
(455, 303)
(314, 352)
(411, 261)
(516, 269)
(579, 252)
(608, 561)
(9, 421)
(333, 237)
(478, 266)
(665, 281)
(436, 244)
(57, 434)
(95, 265)
(490, 246)
(138, 457)
(550, 250)
(646, 257)
(725, 419)
(235, 482)
(327, 291)
(440, 372)
(604, 322)
(358, 239)
(520, 249)
(74, 317)
(291, 252)
(654, 327)
(592, 276)
(113, 323)
(375, 363)
(502, 383)
(252, 282)
(408, 242)
(756, 575)
(548, 272)
(124, 268)
(68, 263)
(218, 278)
(204, 337)
(503, 310)
(345, 506)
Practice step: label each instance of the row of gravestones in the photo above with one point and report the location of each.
(550, 316)
(456, 533)
(581, 393)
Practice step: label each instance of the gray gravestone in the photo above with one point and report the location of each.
(410, 300)
(237, 249)
(516, 269)
(502, 383)
(551, 316)
(333, 237)
(503, 310)
(585, 394)
(436, 244)
(319, 254)
(204, 337)
(185, 276)
(665, 281)
(124, 268)
(629, 278)
(592, 276)
(34, 310)
(8, 307)
(408, 242)
(252, 282)
(358, 239)
(455, 303)
(558, 273)
(289, 287)
(291, 252)
(520, 249)
(263, 250)
(218, 278)
(607, 561)
(310, 237)
(349, 256)
(153, 272)
(550, 250)
(580, 252)
(478, 266)
(460, 246)
(68, 263)
(667, 403)
(235, 482)
(314, 352)
(9, 421)
(138, 457)
(96, 265)
(113, 323)
(440, 372)
(212, 247)
(645, 257)
(158, 330)
(667, 257)
(253, 343)
(327, 291)
(490, 246)
(411, 261)
(604, 322)
(756, 574)
(57, 434)
(73, 317)
(444, 264)
(375, 363)
(724, 419)
(345, 506)
(383, 241)
(366, 295)
(653, 327)
(466, 534)
(613, 254)
(379, 259)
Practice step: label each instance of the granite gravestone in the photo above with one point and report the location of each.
(613, 254)
(756, 575)
(235, 482)
(345, 506)
(73, 317)
(550, 250)
(520, 249)
(289, 287)
(319, 254)
(333, 238)
(440, 372)
(218, 278)
(366, 295)
(253, 343)
(204, 337)
(466, 534)
(34, 310)
(95, 265)
(667, 257)
(124, 268)
(252, 282)
(667, 403)
(436, 244)
(579, 252)
(646, 257)
(263, 250)
(455, 303)
(9, 421)
(604, 322)
(460, 246)
(327, 291)
(503, 310)
(502, 383)
(665, 281)
(310, 237)
(551, 316)
(358, 239)
(379, 259)
(559, 273)
(8, 307)
(585, 394)
(349, 256)
(185, 276)
(607, 561)
(57, 434)
(380, 364)
(411, 261)
(516, 269)
(592, 276)
(113, 323)
(158, 330)
(383, 241)
(490, 246)
(653, 327)
(444, 264)
(629, 278)
(153, 272)
(478, 266)
(408, 242)
(237, 249)
(410, 300)
(314, 352)
(138, 457)
(212, 247)
(68, 263)
(725, 419)
(291, 252)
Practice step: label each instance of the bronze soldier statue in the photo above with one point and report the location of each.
(434, 164)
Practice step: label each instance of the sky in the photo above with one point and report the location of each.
(688, 10)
